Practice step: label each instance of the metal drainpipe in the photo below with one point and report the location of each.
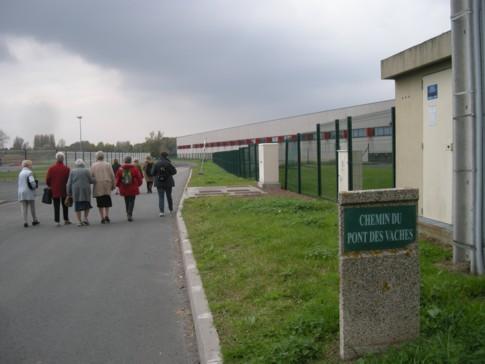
(478, 137)
(463, 129)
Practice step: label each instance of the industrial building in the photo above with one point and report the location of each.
(371, 124)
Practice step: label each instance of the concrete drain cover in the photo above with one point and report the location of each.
(230, 191)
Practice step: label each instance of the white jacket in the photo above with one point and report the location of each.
(25, 193)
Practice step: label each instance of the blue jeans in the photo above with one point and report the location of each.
(162, 191)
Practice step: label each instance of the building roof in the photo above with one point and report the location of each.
(432, 51)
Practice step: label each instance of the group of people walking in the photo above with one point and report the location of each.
(73, 187)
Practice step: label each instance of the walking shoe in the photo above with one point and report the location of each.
(80, 224)
(58, 224)
(106, 219)
(103, 221)
(36, 222)
(26, 225)
(67, 222)
(162, 214)
(85, 222)
(130, 219)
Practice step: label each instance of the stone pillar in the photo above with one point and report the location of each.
(343, 170)
(379, 270)
(268, 166)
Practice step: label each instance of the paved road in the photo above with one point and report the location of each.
(98, 294)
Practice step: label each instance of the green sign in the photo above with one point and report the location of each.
(376, 228)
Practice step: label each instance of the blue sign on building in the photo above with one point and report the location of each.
(432, 92)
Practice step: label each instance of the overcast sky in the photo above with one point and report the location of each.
(129, 67)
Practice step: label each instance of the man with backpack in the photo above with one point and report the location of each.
(163, 172)
(128, 179)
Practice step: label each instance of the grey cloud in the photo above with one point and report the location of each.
(210, 50)
(42, 118)
(5, 55)
(185, 46)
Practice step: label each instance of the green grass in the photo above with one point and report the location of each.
(373, 176)
(213, 175)
(270, 271)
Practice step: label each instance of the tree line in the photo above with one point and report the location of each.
(154, 143)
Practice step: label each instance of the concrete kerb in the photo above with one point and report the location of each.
(205, 332)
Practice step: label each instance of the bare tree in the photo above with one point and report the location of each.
(3, 139)
(61, 144)
(18, 143)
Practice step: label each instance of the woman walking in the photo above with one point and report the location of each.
(27, 185)
(128, 179)
(79, 187)
(147, 171)
(56, 180)
(104, 183)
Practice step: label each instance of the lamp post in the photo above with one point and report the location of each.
(80, 138)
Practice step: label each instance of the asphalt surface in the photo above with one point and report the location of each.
(97, 294)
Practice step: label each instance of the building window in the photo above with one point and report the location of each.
(384, 131)
(358, 133)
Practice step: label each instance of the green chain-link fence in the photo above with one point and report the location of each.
(308, 162)
(310, 159)
(243, 162)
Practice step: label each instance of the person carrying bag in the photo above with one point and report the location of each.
(163, 172)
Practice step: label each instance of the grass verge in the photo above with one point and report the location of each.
(213, 175)
(270, 272)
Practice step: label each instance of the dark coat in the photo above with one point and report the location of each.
(56, 179)
(136, 180)
(165, 163)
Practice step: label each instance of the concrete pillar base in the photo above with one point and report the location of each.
(269, 186)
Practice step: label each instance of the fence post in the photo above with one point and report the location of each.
(319, 162)
(286, 164)
(256, 162)
(249, 161)
(337, 147)
(393, 121)
(349, 152)
(298, 148)
(243, 161)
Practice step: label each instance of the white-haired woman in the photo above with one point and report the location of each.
(56, 180)
(79, 187)
(104, 183)
(27, 185)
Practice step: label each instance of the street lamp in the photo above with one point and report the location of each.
(80, 138)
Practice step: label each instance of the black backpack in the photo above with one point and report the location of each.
(165, 172)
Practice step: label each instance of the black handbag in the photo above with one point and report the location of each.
(47, 196)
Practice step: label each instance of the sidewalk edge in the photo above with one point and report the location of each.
(205, 332)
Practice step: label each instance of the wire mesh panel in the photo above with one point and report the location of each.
(292, 168)
(309, 168)
(229, 161)
(281, 163)
(328, 169)
(373, 140)
(12, 159)
(242, 162)
(253, 161)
